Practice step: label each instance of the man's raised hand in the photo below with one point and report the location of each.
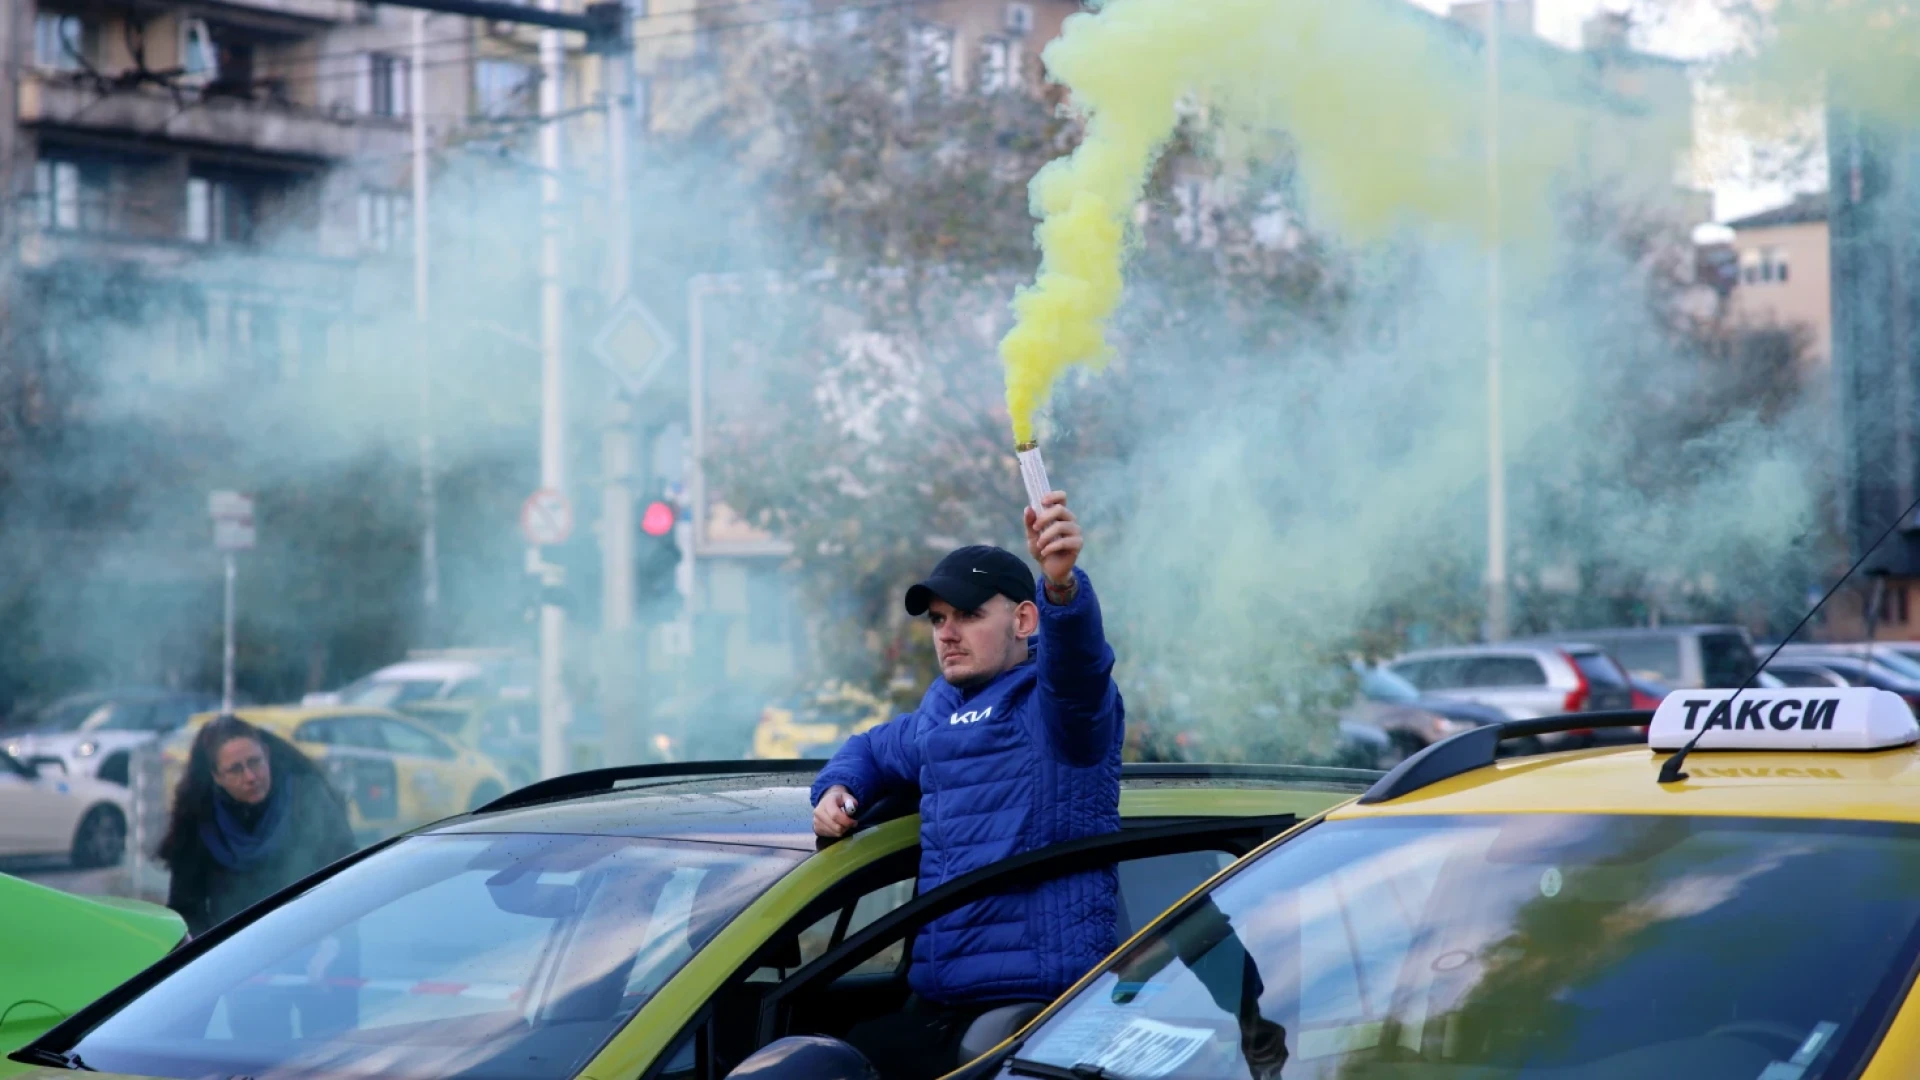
(833, 817)
(1054, 539)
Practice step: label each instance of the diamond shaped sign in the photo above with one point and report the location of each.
(633, 345)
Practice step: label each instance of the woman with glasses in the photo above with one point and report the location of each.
(252, 815)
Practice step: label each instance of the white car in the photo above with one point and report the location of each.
(102, 743)
(44, 812)
(432, 678)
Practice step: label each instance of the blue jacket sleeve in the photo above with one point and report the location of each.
(1078, 705)
(873, 763)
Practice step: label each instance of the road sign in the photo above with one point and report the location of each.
(547, 518)
(633, 345)
(232, 515)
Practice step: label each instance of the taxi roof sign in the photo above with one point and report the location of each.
(1854, 718)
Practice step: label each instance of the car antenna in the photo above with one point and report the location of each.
(1670, 770)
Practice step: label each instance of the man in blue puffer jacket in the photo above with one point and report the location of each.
(1016, 747)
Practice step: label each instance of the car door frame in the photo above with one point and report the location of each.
(1138, 838)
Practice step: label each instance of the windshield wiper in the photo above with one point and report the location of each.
(67, 1060)
(1026, 1067)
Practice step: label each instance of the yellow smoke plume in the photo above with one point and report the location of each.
(1382, 105)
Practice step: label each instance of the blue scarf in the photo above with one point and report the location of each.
(235, 845)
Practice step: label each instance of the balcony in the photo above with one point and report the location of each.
(230, 268)
(261, 127)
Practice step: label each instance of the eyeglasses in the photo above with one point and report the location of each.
(238, 769)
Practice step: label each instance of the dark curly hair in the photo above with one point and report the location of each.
(193, 799)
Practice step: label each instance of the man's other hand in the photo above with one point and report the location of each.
(1054, 540)
(833, 818)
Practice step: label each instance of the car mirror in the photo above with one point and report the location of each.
(535, 894)
(805, 1057)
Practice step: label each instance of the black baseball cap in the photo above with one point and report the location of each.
(970, 577)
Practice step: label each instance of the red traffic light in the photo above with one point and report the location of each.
(658, 519)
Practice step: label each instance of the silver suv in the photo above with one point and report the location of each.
(1680, 657)
(1521, 680)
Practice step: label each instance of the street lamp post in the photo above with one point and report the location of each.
(1497, 610)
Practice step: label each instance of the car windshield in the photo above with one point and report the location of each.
(1379, 684)
(1726, 659)
(1654, 656)
(1549, 945)
(387, 693)
(481, 956)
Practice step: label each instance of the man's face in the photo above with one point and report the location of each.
(974, 647)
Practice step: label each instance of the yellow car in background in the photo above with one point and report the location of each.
(817, 722)
(395, 772)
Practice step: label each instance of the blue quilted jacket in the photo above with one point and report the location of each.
(1031, 759)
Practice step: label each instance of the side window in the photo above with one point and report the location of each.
(406, 739)
(837, 925)
(318, 732)
(1151, 886)
(1507, 671)
(1425, 674)
(359, 732)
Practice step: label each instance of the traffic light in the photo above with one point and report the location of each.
(656, 559)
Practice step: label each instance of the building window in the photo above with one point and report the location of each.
(501, 87)
(387, 84)
(61, 42)
(385, 217)
(69, 195)
(930, 55)
(999, 65)
(218, 211)
(1764, 265)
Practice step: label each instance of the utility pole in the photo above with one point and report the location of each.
(429, 501)
(1498, 617)
(554, 711)
(617, 456)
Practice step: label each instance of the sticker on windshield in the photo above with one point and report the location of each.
(1147, 1049)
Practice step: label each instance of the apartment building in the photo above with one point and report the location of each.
(235, 159)
(1786, 280)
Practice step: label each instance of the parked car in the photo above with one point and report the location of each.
(59, 952)
(1647, 694)
(816, 722)
(1806, 673)
(1881, 673)
(645, 921)
(394, 772)
(1413, 720)
(1523, 680)
(44, 813)
(1575, 918)
(506, 732)
(1682, 657)
(101, 743)
(446, 675)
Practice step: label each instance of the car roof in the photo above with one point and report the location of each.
(1495, 649)
(281, 717)
(773, 808)
(423, 670)
(1880, 785)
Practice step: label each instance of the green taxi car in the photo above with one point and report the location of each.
(59, 951)
(622, 924)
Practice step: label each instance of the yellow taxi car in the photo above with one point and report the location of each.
(394, 771)
(1749, 911)
(817, 723)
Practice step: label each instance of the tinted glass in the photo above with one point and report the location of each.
(1801, 676)
(473, 956)
(1652, 656)
(1438, 673)
(1383, 685)
(1600, 670)
(402, 739)
(1531, 946)
(1726, 659)
(1505, 671)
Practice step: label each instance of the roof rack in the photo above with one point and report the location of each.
(597, 781)
(1477, 748)
(594, 781)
